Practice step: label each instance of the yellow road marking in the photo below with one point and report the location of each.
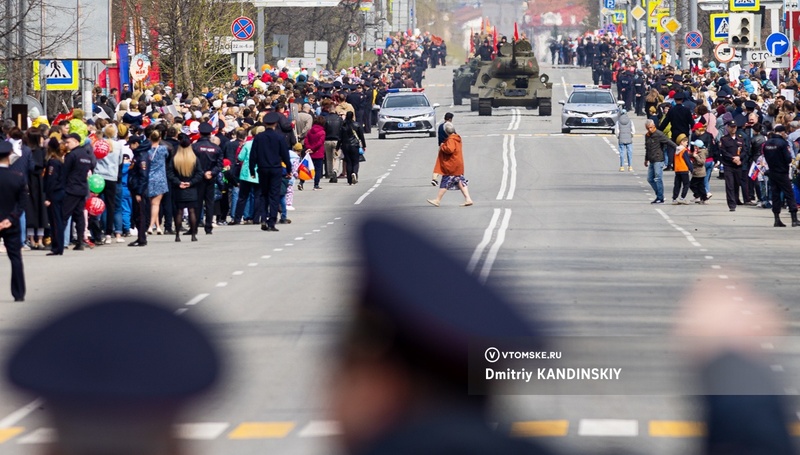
(8, 433)
(261, 430)
(676, 429)
(536, 428)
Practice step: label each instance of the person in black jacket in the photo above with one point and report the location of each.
(138, 181)
(77, 165)
(269, 154)
(333, 127)
(184, 174)
(13, 196)
(54, 182)
(210, 157)
(351, 139)
(778, 157)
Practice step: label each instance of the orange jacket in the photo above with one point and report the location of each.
(451, 159)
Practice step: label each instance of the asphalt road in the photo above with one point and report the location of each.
(555, 225)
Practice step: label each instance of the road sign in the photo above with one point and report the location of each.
(610, 4)
(664, 41)
(777, 43)
(243, 28)
(299, 62)
(693, 53)
(694, 39)
(353, 39)
(637, 12)
(745, 5)
(778, 62)
(663, 18)
(60, 74)
(656, 8)
(242, 63)
(720, 27)
(758, 56)
(724, 53)
(140, 67)
(620, 17)
(242, 46)
(672, 26)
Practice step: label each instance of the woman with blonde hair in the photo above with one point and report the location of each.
(184, 174)
(157, 183)
(109, 159)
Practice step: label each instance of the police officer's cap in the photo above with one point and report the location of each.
(750, 104)
(779, 129)
(731, 123)
(122, 350)
(434, 307)
(679, 96)
(271, 118)
(5, 148)
(205, 128)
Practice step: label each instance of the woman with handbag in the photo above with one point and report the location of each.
(350, 140)
(184, 173)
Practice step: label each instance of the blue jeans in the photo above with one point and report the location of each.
(655, 177)
(122, 214)
(709, 170)
(625, 150)
(23, 227)
(234, 199)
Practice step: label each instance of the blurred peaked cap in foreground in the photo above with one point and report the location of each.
(116, 351)
(433, 305)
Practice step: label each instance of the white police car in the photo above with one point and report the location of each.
(590, 107)
(406, 110)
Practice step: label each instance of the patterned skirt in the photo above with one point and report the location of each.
(450, 182)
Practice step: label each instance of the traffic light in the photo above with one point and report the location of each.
(745, 30)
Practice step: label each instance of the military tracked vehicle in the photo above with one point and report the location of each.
(463, 78)
(513, 79)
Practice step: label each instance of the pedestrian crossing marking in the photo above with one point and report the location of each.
(320, 428)
(676, 429)
(608, 427)
(261, 430)
(8, 433)
(203, 431)
(539, 428)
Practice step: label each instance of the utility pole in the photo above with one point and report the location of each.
(260, 40)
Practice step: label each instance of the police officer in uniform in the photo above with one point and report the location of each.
(639, 92)
(625, 88)
(138, 181)
(400, 384)
(210, 157)
(357, 99)
(270, 154)
(13, 197)
(115, 375)
(77, 165)
(730, 150)
(778, 156)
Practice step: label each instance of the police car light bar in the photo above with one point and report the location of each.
(396, 90)
(584, 86)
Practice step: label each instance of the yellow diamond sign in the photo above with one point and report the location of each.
(638, 12)
(672, 26)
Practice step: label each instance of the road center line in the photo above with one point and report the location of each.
(501, 237)
(12, 419)
(487, 237)
(196, 299)
(504, 181)
(564, 84)
(519, 119)
(513, 155)
(377, 184)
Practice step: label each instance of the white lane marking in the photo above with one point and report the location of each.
(316, 230)
(238, 272)
(716, 267)
(330, 222)
(337, 218)
(180, 311)
(222, 284)
(298, 238)
(364, 196)
(512, 187)
(730, 287)
(487, 237)
(519, 119)
(196, 299)
(289, 244)
(504, 180)
(308, 233)
(683, 231)
(608, 427)
(266, 256)
(278, 249)
(501, 237)
(564, 82)
(39, 436)
(12, 419)
(513, 118)
(709, 257)
(767, 346)
(320, 428)
(777, 368)
(723, 277)
(202, 431)
(253, 264)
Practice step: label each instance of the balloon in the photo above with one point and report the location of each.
(101, 149)
(95, 206)
(264, 67)
(281, 64)
(96, 184)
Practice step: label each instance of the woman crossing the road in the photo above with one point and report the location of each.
(451, 162)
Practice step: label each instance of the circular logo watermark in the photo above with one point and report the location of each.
(492, 355)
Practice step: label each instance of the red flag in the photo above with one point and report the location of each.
(494, 37)
(795, 56)
(471, 44)
(60, 117)
(516, 33)
(483, 24)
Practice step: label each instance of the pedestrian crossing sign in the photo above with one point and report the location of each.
(59, 74)
(620, 17)
(720, 26)
(745, 5)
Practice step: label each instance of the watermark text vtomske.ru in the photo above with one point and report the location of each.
(493, 355)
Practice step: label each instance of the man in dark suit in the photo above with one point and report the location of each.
(269, 154)
(13, 194)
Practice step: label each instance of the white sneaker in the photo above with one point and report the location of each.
(120, 240)
(107, 240)
(683, 201)
(675, 202)
(134, 232)
(290, 208)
